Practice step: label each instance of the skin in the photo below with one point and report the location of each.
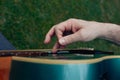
(81, 30)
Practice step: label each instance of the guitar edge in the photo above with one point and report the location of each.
(5, 63)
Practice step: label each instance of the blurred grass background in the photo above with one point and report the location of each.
(25, 22)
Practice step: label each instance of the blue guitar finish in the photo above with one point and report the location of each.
(103, 68)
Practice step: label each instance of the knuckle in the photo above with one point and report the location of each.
(71, 20)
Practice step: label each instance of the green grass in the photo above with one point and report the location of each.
(25, 22)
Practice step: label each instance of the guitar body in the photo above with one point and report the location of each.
(103, 68)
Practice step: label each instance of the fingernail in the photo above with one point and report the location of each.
(62, 41)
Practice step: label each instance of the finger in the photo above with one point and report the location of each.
(62, 46)
(55, 47)
(70, 39)
(49, 35)
(59, 33)
(59, 29)
(65, 26)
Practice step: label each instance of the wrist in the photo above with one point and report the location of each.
(108, 30)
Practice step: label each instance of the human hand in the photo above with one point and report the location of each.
(81, 31)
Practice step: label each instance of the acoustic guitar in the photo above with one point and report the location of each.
(82, 64)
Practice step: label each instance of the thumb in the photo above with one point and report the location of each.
(69, 39)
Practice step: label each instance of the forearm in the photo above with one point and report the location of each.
(111, 32)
